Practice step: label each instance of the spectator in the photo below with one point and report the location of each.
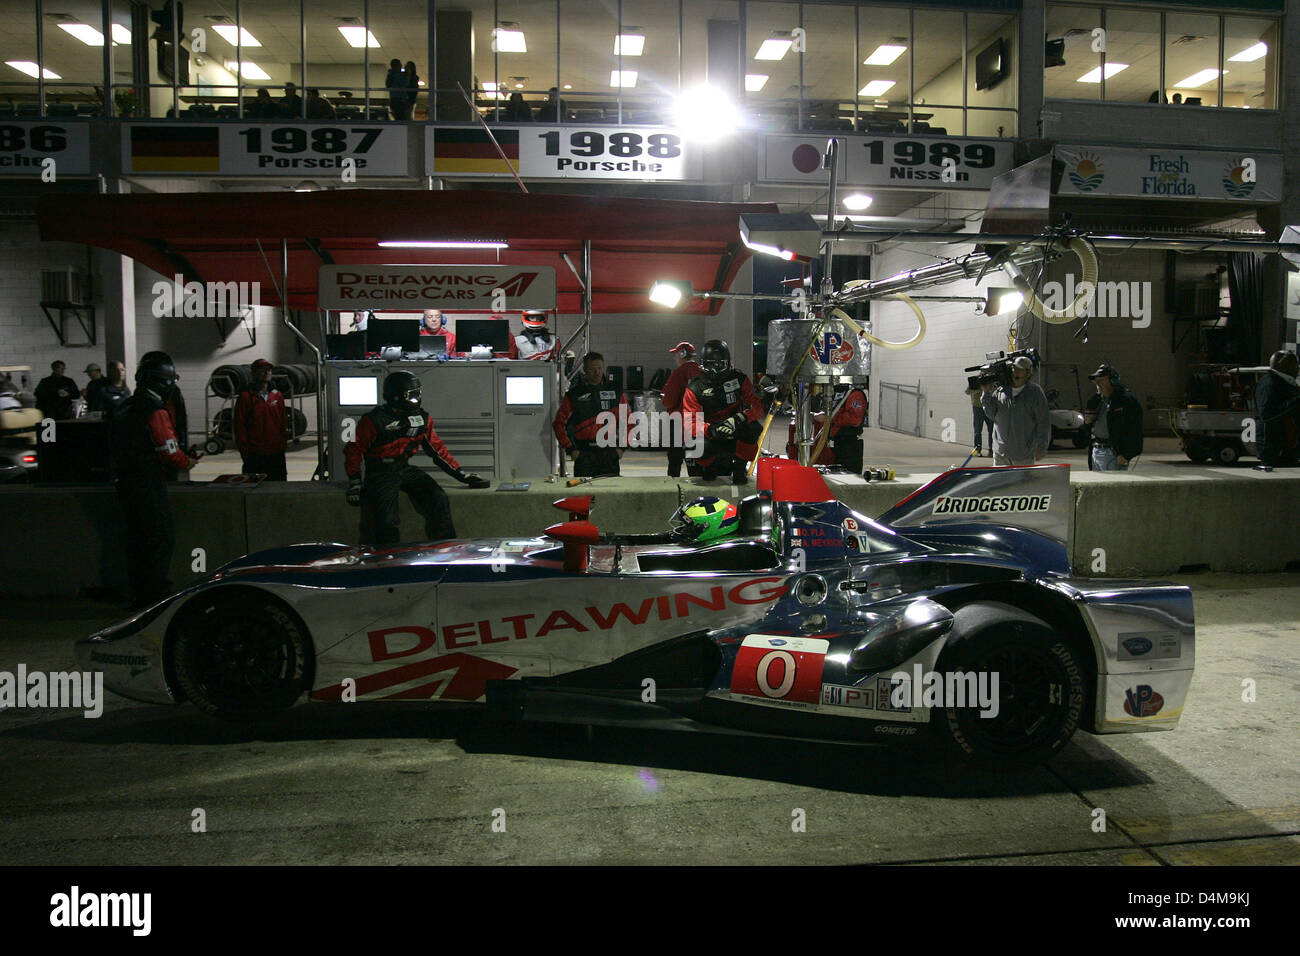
(517, 111)
(261, 425)
(1022, 422)
(396, 84)
(1277, 405)
(262, 107)
(94, 385)
(112, 393)
(317, 106)
(412, 79)
(291, 102)
(982, 422)
(674, 390)
(549, 112)
(433, 322)
(1178, 99)
(1116, 419)
(55, 392)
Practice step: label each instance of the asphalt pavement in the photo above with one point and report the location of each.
(420, 784)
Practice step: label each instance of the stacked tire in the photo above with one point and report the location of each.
(301, 379)
(227, 381)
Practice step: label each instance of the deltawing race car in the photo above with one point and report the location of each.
(953, 614)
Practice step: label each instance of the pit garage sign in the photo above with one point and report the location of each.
(461, 288)
(533, 152)
(307, 150)
(927, 161)
(25, 147)
(1171, 173)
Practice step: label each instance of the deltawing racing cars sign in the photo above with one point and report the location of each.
(463, 288)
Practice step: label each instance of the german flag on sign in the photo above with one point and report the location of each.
(175, 149)
(471, 151)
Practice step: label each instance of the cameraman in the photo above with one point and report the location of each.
(1022, 424)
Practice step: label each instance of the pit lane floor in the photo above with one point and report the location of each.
(407, 783)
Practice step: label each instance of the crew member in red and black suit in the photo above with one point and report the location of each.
(674, 390)
(386, 438)
(593, 446)
(260, 422)
(731, 410)
(175, 403)
(145, 450)
(846, 431)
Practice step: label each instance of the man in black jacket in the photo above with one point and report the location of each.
(1116, 418)
(55, 392)
(1277, 406)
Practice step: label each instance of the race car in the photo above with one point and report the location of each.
(954, 614)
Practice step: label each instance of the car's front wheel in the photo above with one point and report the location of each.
(241, 656)
(1036, 689)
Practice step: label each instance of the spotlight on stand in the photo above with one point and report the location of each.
(1002, 299)
(670, 293)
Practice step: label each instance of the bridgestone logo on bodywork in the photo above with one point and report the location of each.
(1004, 504)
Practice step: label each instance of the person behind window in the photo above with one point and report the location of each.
(412, 80)
(396, 84)
(433, 322)
(291, 102)
(549, 112)
(517, 111)
(262, 107)
(317, 106)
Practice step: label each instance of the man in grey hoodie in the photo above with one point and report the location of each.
(1022, 424)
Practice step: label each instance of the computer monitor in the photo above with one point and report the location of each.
(494, 333)
(401, 332)
(358, 390)
(351, 345)
(433, 344)
(525, 390)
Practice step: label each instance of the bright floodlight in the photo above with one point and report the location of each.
(856, 202)
(667, 294)
(704, 114)
(1002, 299)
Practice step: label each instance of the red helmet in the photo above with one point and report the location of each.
(534, 320)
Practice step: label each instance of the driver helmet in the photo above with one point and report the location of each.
(156, 374)
(402, 390)
(716, 358)
(534, 320)
(705, 519)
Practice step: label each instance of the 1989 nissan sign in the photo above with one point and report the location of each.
(460, 288)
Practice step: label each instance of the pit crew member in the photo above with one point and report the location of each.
(260, 423)
(582, 426)
(729, 412)
(674, 390)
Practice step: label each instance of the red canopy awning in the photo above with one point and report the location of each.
(213, 237)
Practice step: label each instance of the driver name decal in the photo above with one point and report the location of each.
(994, 504)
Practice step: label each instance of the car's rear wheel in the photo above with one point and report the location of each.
(1040, 689)
(241, 656)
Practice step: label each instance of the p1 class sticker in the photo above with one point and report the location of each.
(789, 673)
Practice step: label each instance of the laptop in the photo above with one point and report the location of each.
(433, 346)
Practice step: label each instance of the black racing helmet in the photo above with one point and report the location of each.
(402, 390)
(156, 374)
(716, 357)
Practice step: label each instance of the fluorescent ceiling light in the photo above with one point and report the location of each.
(568, 86)
(629, 44)
(228, 32)
(626, 79)
(445, 244)
(773, 48)
(358, 37)
(84, 32)
(856, 202)
(1094, 75)
(248, 70)
(1250, 54)
(755, 82)
(28, 67)
(509, 41)
(1198, 79)
(121, 34)
(884, 55)
(876, 87)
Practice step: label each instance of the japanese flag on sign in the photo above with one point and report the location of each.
(780, 669)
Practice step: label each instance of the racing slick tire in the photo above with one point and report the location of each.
(241, 656)
(1040, 695)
